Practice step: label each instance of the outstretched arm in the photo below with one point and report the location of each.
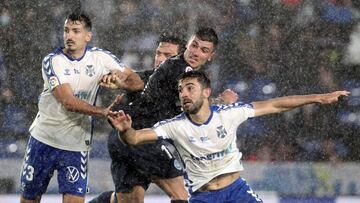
(281, 104)
(129, 135)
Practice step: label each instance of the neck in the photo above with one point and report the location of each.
(75, 54)
(202, 115)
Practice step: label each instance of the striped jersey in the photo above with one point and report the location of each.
(56, 126)
(208, 150)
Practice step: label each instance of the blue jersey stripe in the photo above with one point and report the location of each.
(178, 117)
(225, 107)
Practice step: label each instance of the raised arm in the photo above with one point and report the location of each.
(129, 135)
(281, 104)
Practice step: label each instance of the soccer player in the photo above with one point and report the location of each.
(206, 136)
(134, 168)
(169, 45)
(60, 135)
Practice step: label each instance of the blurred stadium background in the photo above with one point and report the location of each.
(268, 48)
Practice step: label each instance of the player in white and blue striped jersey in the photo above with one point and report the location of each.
(60, 135)
(206, 137)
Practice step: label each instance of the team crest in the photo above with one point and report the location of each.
(90, 71)
(221, 132)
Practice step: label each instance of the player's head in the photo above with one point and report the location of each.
(168, 45)
(77, 31)
(201, 47)
(194, 91)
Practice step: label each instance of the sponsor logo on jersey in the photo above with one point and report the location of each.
(53, 81)
(76, 71)
(90, 71)
(221, 132)
(67, 71)
(214, 156)
(72, 174)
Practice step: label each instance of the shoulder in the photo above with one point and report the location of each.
(236, 105)
(179, 118)
(99, 51)
(175, 62)
(54, 54)
(174, 66)
(102, 54)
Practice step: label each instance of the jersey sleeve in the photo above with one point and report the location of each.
(54, 72)
(110, 62)
(164, 130)
(239, 112)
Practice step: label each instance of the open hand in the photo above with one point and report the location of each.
(120, 120)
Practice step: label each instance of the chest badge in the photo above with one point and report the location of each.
(90, 71)
(221, 132)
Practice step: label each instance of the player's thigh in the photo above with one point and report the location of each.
(73, 173)
(173, 187)
(126, 177)
(125, 174)
(37, 169)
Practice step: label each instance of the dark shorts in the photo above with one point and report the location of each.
(135, 165)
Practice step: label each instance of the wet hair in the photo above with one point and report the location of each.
(81, 16)
(201, 77)
(173, 38)
(207, 34)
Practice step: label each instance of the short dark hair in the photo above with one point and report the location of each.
(173, 38)
(81, 16)
(207, 34)
(201, 77)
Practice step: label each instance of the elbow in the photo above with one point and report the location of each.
(131, 140)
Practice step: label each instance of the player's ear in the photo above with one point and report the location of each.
(88, 36)
(211, 56)
(207, 92)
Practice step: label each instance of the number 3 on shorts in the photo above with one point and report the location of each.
(28, 172)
